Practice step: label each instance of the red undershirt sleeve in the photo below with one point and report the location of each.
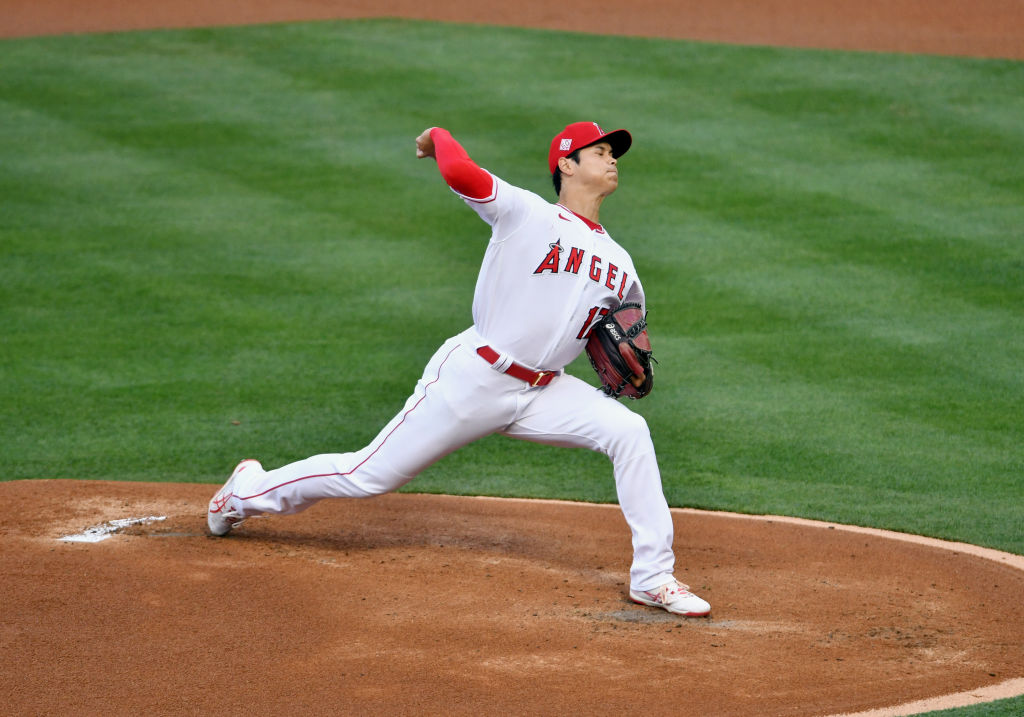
(460, 172)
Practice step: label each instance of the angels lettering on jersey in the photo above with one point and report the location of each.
(598, 271)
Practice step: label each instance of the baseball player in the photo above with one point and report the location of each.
(549, 272)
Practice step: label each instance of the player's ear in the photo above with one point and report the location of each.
(567, 166)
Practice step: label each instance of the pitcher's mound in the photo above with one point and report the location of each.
(418, 604)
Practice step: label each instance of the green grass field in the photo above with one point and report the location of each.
(218, 243)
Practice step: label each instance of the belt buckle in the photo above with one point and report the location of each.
(540, 377)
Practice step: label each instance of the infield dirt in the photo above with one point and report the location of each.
(983, 28)
(417, 604)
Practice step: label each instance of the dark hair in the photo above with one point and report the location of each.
(556, 176)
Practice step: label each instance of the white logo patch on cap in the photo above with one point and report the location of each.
(565, 145)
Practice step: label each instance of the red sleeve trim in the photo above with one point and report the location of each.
(460, 172)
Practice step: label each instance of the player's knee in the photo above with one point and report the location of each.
(632, 437)
(636, 425)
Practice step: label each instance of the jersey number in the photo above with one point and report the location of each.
(596, 314)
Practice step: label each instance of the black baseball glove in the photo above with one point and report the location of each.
(620, 352)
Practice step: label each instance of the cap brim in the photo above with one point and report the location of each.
(620, 140)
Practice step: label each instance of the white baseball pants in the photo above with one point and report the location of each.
(461, 398)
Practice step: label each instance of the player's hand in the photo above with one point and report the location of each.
(424, 144)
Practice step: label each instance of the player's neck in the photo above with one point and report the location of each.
(585, 205)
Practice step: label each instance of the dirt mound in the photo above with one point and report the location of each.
(437, 604)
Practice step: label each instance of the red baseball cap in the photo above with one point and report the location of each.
(583, 134)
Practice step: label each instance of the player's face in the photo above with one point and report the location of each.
(598, 168)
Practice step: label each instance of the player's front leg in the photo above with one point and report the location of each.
(570, 412)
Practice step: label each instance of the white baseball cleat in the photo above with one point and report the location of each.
(223, 514)
(674, 597)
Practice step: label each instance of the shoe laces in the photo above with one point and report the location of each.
(670, 589)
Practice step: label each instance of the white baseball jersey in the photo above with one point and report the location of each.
(546, 277)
